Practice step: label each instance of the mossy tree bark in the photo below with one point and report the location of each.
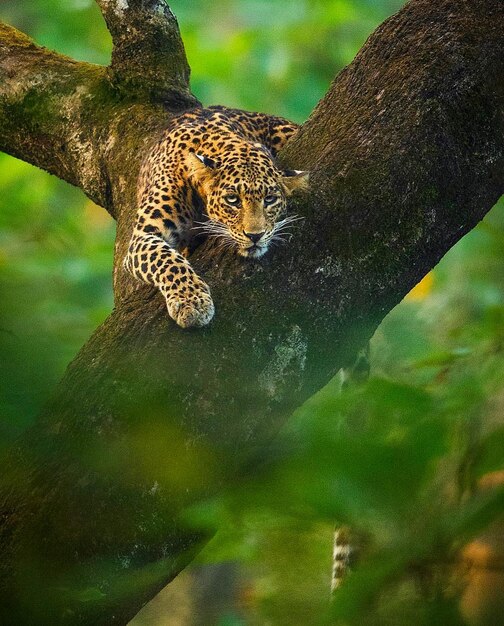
(406, 152)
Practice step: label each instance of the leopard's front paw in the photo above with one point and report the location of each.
(191, 309)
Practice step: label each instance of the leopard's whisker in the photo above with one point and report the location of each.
(211, 231)
(210, 225)
(281, 236)
(283, 225)
(276, 242)
(282, 232)
(226, 244)
(289, 219)
(221, 236)
(207, 224)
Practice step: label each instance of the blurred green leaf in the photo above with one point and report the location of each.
(444, 358)
(490, 454)
(91, 594)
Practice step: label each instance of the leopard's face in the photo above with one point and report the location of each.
(249, 212)
(246, 197)
(246, 201)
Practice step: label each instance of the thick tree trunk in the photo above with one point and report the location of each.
(407, 154)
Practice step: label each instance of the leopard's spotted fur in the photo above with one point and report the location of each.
(214, 172)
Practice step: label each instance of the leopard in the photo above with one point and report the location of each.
(212, 174)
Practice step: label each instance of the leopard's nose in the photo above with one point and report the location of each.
(254, 237)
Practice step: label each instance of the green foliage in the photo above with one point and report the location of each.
(55, 259)
(275, 56)
(394, 459)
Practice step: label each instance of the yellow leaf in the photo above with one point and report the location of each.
(423, 289)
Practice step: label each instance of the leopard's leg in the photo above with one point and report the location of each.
(165, 214)
(187, 296)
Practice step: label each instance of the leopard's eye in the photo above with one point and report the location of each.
(270, 199)
(232, 199)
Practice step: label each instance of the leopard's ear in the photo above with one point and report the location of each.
(295, 179)
(200, 168)
(207, 161)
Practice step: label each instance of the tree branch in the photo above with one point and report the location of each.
(42, 97)
(407, 154)
(406, 149)
(148, 57)
(69, 118)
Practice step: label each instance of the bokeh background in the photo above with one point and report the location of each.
(395, 458)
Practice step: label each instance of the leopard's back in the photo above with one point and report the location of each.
(212, 171)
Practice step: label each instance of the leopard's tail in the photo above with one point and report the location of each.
(342, 554)
(343, 550)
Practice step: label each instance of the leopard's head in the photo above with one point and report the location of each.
(245, 194)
